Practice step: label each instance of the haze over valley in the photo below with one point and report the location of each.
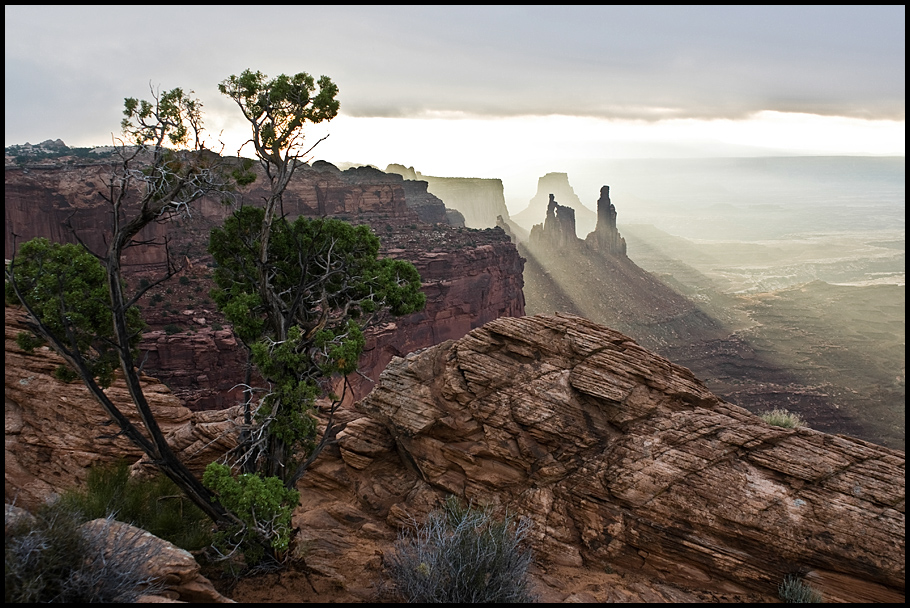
(799, 261)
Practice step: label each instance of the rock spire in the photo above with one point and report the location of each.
(606, 237)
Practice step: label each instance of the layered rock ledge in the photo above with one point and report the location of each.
(626, 460)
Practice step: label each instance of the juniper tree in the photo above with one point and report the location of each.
(299, 293)
(76, 301)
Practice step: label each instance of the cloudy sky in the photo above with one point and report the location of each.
(485, 91)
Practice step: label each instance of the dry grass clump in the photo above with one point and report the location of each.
(462, 555)
(51, 557)
(783, 418)
(795, 591)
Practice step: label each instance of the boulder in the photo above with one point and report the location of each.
(625, 460)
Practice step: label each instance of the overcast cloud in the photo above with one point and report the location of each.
(69, 68)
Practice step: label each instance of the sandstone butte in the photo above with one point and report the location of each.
(642, 485)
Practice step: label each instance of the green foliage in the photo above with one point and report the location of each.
(49, 558)
(263, 504)
(795, 591)
(462, 554)
(184, 280)
(243, 175)
(156, 505)
(279, 108)
(174, 116)
(171, 329)
(329, 285)
(783, 418)
(67, 289)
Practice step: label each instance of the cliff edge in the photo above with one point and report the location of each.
(625, 460)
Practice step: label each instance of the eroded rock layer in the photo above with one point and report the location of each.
(56, 430)
(624, 459)
(470, 276)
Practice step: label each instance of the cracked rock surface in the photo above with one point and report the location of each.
(624, 459)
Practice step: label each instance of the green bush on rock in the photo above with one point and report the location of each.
(263, 504)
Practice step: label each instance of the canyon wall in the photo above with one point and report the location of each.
(39, 199)
(479, 200)
(469, 276)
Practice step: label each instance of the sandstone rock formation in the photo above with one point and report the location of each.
(169, 567)
(558, 230)
(626, 460)
(429, 208)
(479, 200)
(465, 288)
(55, 430)
(204, 368)
(558, 185)
(166, 564)
(39, 200)
(606, 237)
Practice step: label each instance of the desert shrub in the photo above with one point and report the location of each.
(462, 554)
(143, 283)
(263, 504)
(155, 505)
(49, 558)
(783, 418)
(171, 329)
(184, 280)
(795, 591)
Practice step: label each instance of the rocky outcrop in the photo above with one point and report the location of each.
(173, 573)
(430, 208)
(624, 459)
(167, 566)
(55, 430)
(479, 200)
(558, 230)
(558, 185)
(606, 237)
(625, 462)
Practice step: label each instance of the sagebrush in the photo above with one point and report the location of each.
(51, 557)
(796, 591)
(463, 554)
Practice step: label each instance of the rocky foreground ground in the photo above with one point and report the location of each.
(641, 483)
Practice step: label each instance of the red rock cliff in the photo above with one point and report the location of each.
(470, 276)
